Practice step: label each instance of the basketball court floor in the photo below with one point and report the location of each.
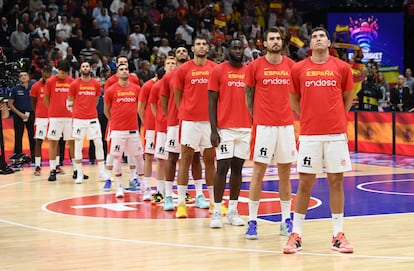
(65, 226)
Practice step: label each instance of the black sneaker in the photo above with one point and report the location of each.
(6, 170)
(52, 176)
(75, 175)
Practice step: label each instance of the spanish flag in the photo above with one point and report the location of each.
(297, 42)
(342, 28)
(276, 6)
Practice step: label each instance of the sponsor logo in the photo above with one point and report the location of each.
(320, 83)
(276, 81)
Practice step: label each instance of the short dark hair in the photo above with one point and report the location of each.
(320, 28)
(64, 66)
(272, 29)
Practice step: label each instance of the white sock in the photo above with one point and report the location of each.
(57, 160)
(298, 220)
(168, 188)
(182, 189)
(217, 206)
(337, 220)
(147, 182)
(101, 167)
(38, 160)
(161, 186)
(233, 205)
(78, 168)
(133, 173)
(52, 165)
(118, 180)
(285, 207)
(198, 187)
(253, 209)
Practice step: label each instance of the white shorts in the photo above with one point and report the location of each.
(234, 142)
(275, 143)
(128, 142)
(150, 141)
(59, 127)
(89, 128)
(41, 128)
(317, 151)
(172, 143)
(160, 146)
(196, 134)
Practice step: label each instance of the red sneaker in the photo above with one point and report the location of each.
(339, 243)
(293, 245)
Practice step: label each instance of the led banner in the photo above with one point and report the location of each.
(375, 132)
(380, 35)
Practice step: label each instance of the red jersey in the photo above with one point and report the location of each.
(321, 87)
(85, 95)
(124, 106)
(37, 91)
(160, 118)
(149, 118)
(167, 90)
(192, 80)
(272, 83)
(114, 79)
(228, 81)
(58, 90)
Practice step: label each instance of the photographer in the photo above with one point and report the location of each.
(23, 114)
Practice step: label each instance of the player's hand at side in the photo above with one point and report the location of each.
(215, 139)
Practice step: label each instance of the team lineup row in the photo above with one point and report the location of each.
(218, 111)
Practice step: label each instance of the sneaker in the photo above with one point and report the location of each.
(216, 221)
(339, 243)
(293, 245)
(181, 211)
(200, 202)
(168, 204)
(251, 232)
(79, 180)
(59, 170)
(75, 175)
(233, 218)
(157, 198)
(107, 185)
(119, 192)
(188, 198)
(223, 208)
(37, 171)
(147, 194)
(286, 227)
(52, 176)
(134, 184)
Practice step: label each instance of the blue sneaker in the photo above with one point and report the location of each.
(286, 227)
(134, 185)
(200, 202)
(251, 232)
(168, 204)
(107, 186)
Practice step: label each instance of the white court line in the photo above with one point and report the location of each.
(201, 247)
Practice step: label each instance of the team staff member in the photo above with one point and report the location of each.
(230, 130)
(268, 83)
(83, 97)
(121, 108)
(60, 118)
(23, 114)
(191, 97)
(41, 113)
(322, 95)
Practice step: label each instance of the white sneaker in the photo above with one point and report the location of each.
(147, 194)
(233, 218)
(119, 192)
(216, 220)
(79, 179)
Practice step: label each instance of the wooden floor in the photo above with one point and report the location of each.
(33, 238)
